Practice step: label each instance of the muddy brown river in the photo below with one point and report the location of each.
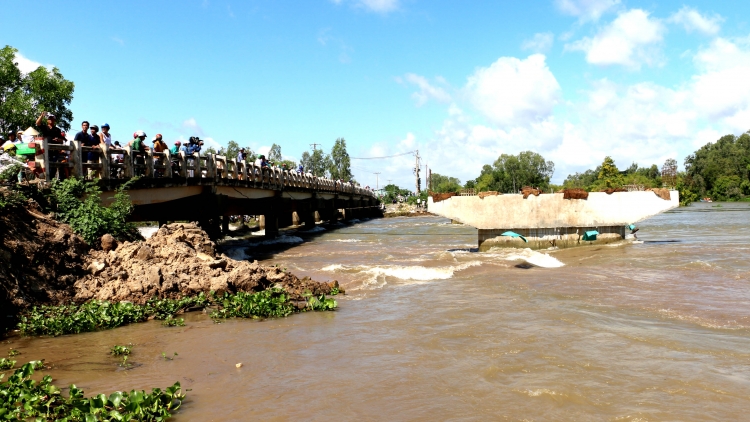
(432, 330)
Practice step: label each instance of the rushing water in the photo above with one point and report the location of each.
(432, 330)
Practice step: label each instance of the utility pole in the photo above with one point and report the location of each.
(377, 187)
(315, 145)
(427, 181)
(416, 171)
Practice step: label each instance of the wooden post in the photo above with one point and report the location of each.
(128, 161)
(183, 164)
(41, 158)
(168, 163)
(149, 159)
(104, 161)
(76, 159)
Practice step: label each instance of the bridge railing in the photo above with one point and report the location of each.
(108, 163)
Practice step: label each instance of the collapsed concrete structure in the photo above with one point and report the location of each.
(546, 220)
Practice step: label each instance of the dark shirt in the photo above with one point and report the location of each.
(50, 134)
(89, 141)
(86, 139)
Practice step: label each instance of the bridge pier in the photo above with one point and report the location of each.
(224, 224)
(270, 223)
(295, 218)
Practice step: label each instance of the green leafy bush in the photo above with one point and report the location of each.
(11, 198)
(22, 398)
(79, 204)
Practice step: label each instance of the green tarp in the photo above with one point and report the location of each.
(590, 235)
(23, 149)
(514, 234)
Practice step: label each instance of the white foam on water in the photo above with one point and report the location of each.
(528, 256)
(238, 254)
(147, 232)
(403, 272)
(259, 233)
(280, 240)
(345, 240)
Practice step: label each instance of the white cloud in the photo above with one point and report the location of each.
(378, 6)
(426, 91)
(692, 20)
(512, 91)
(192, 126)
(631, 40)
(586, 9)
(540, 43)
(26, 65)
(722, 90)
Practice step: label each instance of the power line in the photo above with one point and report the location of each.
(378, 158)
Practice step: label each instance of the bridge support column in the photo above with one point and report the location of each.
(224, 224)
(308, 219)
(270, 223)
(317, 216)
(295, 218)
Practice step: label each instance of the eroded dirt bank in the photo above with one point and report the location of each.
(179, 259)
(43, 262)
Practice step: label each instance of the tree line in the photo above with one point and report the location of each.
(718, 170)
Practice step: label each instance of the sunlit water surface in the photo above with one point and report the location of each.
(432, 330)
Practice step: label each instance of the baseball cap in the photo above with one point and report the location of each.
(105, 125)
(178, 143)
(95, 127)
(51, 116)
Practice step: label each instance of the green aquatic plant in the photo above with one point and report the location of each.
(102, 315)
(6, 364)
(24, 398)
(73, 319)
(320, 303)
(168, 308)
(121, 350)
(164, 355)
(37, 364)
(269, 303)
(173, 322)
(13, 352)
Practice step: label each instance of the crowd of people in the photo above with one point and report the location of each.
(95, 137)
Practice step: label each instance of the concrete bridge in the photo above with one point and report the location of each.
(549, 220)
(206, 188)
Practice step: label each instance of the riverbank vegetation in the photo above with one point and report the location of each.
(78, 203)
(720, 170)
(101, 315)
(23, 398)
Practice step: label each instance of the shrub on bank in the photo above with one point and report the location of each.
(22, 398)
(79, 204)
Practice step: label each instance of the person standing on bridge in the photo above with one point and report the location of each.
(138, 149)
(53, 135)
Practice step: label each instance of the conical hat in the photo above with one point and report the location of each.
(31, 131)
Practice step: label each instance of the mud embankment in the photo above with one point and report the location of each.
(42, 262)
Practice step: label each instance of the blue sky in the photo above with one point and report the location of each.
(463, 82)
